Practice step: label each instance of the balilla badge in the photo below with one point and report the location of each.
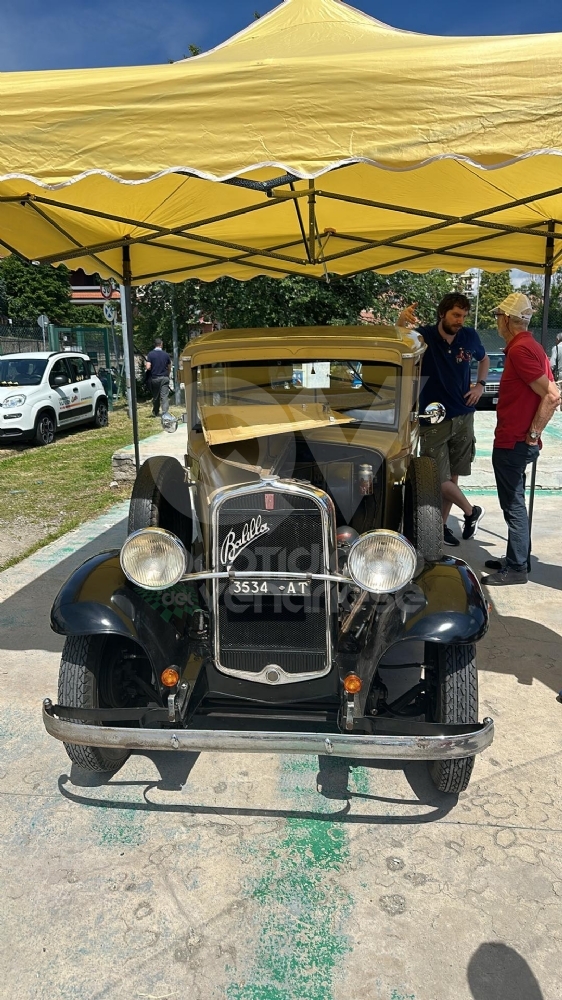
(232, 546)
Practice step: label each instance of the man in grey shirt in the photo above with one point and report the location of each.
(556, 358)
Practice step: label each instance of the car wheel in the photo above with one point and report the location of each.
(161, 499)
(101, 672)
(101, 416)
(423, 518)
(45, 429)
(453, 682)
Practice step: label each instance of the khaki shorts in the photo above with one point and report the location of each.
(452, 444)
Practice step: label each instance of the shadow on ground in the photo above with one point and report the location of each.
(332, 783)
(25, 617)
(477, 551)
(498, 972)
(522, 649)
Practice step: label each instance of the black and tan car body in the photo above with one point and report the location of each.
(251, 677)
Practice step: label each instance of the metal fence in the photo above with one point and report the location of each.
(493, 342)
(103, 343)
(20, 339)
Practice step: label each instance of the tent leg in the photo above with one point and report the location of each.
(547, 282)
(176, 354)
(531, 507)
(130, 348)
(544, 335)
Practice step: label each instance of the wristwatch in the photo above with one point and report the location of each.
(481, 381)
(534, 435)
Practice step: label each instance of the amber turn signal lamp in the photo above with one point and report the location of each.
(169, 677)
(352, 684)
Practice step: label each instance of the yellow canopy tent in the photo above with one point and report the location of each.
(340, 144)
(317, 140)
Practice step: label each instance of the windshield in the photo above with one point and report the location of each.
(21, 371)
(497, 361)
(254, 398)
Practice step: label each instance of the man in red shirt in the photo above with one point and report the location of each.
(528, 396)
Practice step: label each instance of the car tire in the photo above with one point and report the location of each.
(423, 517)
(454, 699)
(161, 499)
(81, 676)
(101, 415)
(45, 429)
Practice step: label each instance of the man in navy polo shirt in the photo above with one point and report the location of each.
(445, 373)
(158, 364)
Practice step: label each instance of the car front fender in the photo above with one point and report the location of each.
(444, 604)
(451, 607)
(97, 599)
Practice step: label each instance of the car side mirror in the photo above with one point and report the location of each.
(434, 413)
(59, 380)
(169, 422)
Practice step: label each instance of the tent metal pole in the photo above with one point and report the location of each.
(544, 331)
(128, 316)
(531, 507)
(547, 281)
(311, 222)
(176, 353)
(125, 335)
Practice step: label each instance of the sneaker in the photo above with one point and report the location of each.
(471, 522)
(505, 578)
(448, 537)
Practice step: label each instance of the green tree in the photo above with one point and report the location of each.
(34, 289)
(292, 301)
(493, 288)
(156, 305)
(3, 296)
(308, 301)
(535, 291)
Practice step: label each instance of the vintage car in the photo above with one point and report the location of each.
(285, 590)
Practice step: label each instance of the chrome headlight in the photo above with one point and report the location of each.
(382, 561)
(13, 401)
(153, 558)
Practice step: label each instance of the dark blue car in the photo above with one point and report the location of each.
(489, 397)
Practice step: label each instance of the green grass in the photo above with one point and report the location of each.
(60, 486)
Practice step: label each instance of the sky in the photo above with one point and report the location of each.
(65, 34)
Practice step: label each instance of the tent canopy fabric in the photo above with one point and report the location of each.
(317, 140)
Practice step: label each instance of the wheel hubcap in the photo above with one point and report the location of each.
(47, 430)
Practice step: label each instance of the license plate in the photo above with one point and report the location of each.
(275, 588)
(495, 399)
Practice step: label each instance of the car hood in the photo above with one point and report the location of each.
(17, 390)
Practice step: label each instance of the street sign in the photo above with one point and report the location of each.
(109, 312)
(43, 321)
(106, 288)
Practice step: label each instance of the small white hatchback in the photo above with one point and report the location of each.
(44, 392)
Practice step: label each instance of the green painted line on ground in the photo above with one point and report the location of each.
(118, 826)
(489, 491)
(301, 909)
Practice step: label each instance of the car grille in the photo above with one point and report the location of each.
(491, 388)
(252, 632)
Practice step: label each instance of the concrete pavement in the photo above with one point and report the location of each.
(283, 878)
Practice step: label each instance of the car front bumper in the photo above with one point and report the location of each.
(419, 741)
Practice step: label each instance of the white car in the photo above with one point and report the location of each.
(43, 392)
